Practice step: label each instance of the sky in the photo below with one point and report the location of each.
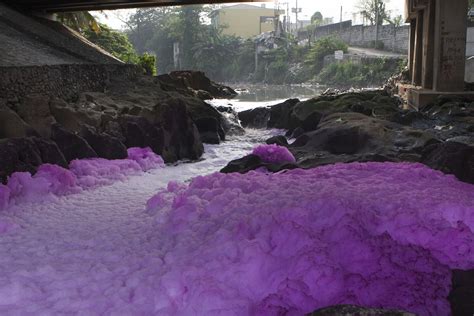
(329, 8)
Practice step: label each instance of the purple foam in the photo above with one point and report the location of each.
(372, 234)
(274, 154)
(82, 174)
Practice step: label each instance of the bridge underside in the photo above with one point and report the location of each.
(90, 5)
(437, 48)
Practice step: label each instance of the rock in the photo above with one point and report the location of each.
(280, 114)
(451, 158)
(297, 132)
(243, 165)
(253, 162)
(348, 137)
(311, 122)
(204, 95)
(71, 145)
(106, 146)
(201, 112)
(26, 154)
(73, 119)
(278, 140)
(466, 139)
(11, 125)
(182, 138)
(35, 111)
(139, 132)
(371, 103)
(462, 293)
(196, 80)
(351, 310)
(230, 122)
(255, 118)
(208, 128)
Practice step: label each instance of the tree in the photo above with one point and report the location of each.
(374, 11)
(79, 21)
(114, 42)
(317, 18)
(397, 21)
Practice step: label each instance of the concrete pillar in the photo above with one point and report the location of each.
(411, 48)
(428, 45)
(450, 45)
(418, 51)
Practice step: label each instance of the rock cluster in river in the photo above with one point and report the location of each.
(369, 126)
(166, 113)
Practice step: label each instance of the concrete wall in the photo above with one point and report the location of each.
(29, 41)
(470, 42)
(395, 39)
(63, 81)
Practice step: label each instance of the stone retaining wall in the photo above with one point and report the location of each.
(63, 81)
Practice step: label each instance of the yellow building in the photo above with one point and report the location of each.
(245, 20)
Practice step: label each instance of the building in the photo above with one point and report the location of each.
(245, 20)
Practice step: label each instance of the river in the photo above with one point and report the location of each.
(83, 252)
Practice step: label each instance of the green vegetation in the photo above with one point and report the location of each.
(366, 73)
(79, 21)
(182, 40)
(117, 44)
(321, 48)
(114, 42)
(148, 63)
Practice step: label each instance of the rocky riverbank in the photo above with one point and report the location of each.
(166, 113)
(368, 126)
(372, 126)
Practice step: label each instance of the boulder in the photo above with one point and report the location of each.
(279, 140)
(462, 293)
(197, 80)
(348, 137)
(139, 132)
(105, 145)
(255, 118)
(208, 128)
(253, 162)
(71, 145)
(181, 136)
(26, 154)
(11, 125)
(73, 119)
(451, 158)
(35, 111)
(280, 114)
(352, 310)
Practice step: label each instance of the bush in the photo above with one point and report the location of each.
(350, 74)
(321, 48)
(148, 63)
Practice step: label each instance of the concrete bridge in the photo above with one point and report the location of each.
(49, 6)
(437, 54)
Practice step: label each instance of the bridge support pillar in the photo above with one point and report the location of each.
(437, 49)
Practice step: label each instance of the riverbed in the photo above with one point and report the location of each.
(83, 252)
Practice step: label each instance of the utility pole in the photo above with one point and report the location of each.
(340, 21)
(376, 5)
(296, 17)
